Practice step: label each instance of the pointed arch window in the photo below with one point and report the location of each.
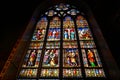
(62, 46)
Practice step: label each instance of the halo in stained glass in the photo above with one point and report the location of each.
(51, 56)
(71, 58)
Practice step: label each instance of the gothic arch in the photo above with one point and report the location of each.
(86, 58)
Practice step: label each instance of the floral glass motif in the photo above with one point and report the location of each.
(62, 8)
(72, 73)
(50, 73)
(71, 58)
(30, 73)
(87, 44)
(40, 30)
(52, 45)
(36, 45)
(71, 44)
(94, 73)
(51, 58)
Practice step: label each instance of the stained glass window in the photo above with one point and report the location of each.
(62, 46)
(32, 57)
(91, 59)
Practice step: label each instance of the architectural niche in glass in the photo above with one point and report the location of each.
(62, 47)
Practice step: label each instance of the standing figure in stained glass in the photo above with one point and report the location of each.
(32, 58)
(91, 58)
(68, 33)
(50, 34)
(57, 34)
(53, 57)
(38, 34)
(65, 34)
(53, 35)
(72, 35)
(47, 57)
(73, 60)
